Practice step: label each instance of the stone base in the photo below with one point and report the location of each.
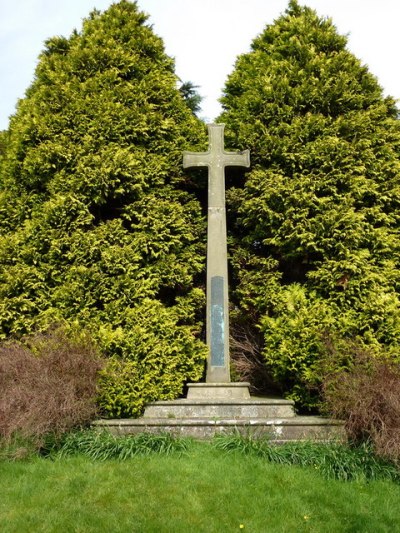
(278, 430)
(250, 409)
(221, 408)
(218, 391)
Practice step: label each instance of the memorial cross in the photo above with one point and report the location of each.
(217, 320)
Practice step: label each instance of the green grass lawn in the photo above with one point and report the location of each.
(205, 490)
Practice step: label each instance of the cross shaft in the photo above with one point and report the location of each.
(217, 320)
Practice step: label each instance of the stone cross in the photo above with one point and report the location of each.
(217, 320)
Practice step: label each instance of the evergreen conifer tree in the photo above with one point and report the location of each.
(315, 242)
(98, 224)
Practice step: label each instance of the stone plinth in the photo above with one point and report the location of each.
(218, 391)
(250, 409)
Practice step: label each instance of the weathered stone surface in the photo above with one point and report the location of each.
(217, 319)
(218, 391)
(278, 430)
(204, 418)
(238, 409)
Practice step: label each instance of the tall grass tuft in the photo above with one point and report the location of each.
(333, 460)
(102, 445)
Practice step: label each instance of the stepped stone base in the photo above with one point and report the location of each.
(215, 408)
(278, 430)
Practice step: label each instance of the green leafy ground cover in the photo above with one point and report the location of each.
(202, 490)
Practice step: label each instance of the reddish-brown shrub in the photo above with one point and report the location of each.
(248, 363)
(47, 385)
(365, 393)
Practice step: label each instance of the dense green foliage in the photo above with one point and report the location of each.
(191, 96)
(100, 227)
(315, 243)
(98, 224)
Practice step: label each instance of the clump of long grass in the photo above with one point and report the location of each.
(102, 445)
(18, 448)
(333, 460)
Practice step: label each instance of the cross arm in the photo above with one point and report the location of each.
(237, 159)
(196, 159)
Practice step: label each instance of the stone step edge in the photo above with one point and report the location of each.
(231, 412)
(176, 422)
(218, 401)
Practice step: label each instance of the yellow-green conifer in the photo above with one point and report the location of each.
(316, 224)
(98, 224)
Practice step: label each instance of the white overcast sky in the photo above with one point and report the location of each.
(204, 37)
